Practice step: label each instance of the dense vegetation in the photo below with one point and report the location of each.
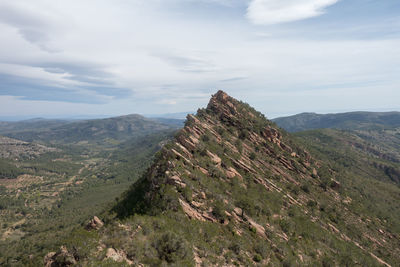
(8, 170)
(59, 191)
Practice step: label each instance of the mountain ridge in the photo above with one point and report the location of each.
(359, 120)
(98, 131)
(233, 189)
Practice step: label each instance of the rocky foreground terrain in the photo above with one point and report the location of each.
(232, 189)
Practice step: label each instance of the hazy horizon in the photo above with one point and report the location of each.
(178, 115)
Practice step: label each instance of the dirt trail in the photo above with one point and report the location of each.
(71, 180)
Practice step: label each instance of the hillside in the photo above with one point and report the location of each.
(368, 139)
(104, 132)
(345, 121)
(45, 197)
(12, 151)
(69, 172)
(232, 189)
(13, 148)
(369, 172)
(30, 125)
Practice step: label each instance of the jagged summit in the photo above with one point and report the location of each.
(233, 189)
(226, 107)
(222, 104)
(223, 140)
(220, 98)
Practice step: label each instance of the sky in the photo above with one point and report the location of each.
(68, 58)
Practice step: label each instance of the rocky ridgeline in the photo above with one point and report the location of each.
(232, 170)
(248, 145)
(229, 142)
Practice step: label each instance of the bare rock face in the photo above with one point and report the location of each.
(114, 255)
(335, 185)
(60, 258)
(48, 259)
(94, 224)
(117, 256)
(223, 104)
(231, 172)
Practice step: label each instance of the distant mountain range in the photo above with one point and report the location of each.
(116, 129)
(350, 121)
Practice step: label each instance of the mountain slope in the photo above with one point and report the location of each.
(372, 139)
(30, 125)
(12, 151)
(55, 192)
(367, 171)
(108, 131)
(348, 121)
(13, 148)
(232, 189)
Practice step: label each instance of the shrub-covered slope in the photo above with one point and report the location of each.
(232, 189)
(55, 192)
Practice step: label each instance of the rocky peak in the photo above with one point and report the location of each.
(227, 140)
(220, 99)
(223, 105)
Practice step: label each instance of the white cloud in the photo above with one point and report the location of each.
(172, 62)
(168, 101)
(278, 11)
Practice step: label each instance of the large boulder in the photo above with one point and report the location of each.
(60, 258)
(94, 224)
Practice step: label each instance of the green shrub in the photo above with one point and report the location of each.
(305, 188)
(187, 193)
(221, 131)
(171, 248)
(261, 248)
(239, 145)
(311, 203)
(235, 247)
(257, 258)
(285, 225)
(205, 138)
(327, 262)
(203, 152)
(246, 204)
(243, 134)
(218, 210)
(292, 211)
